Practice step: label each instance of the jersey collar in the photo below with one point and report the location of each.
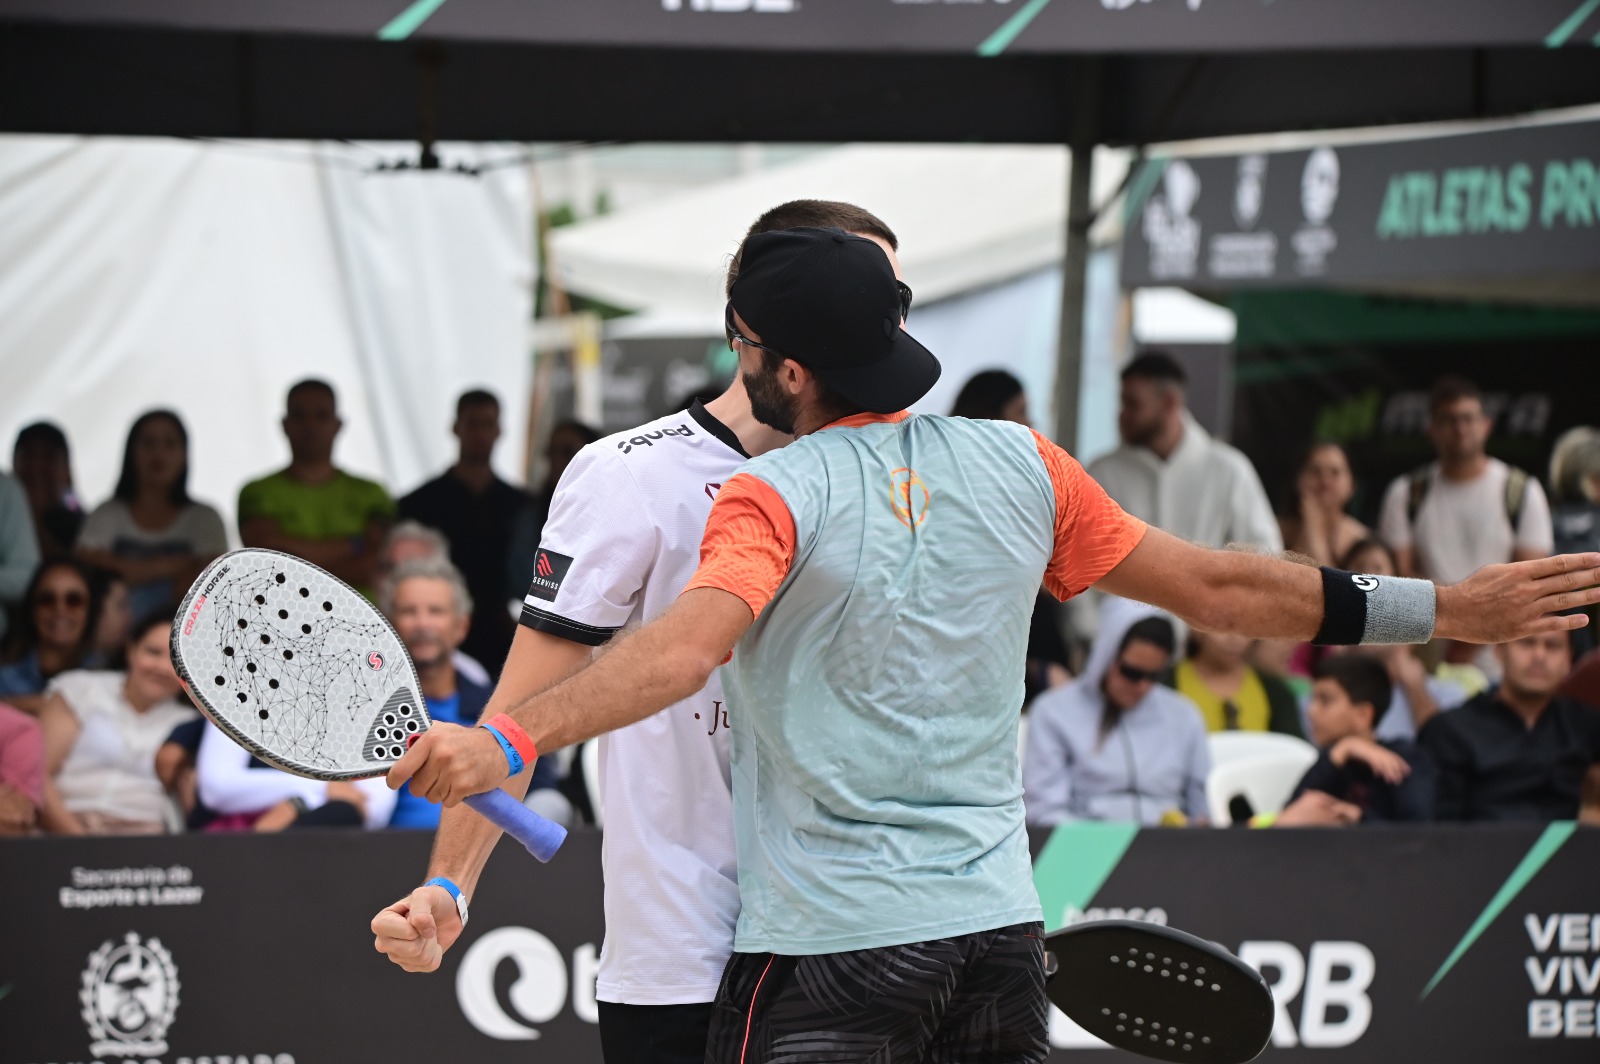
(855, 420)
(707, 421)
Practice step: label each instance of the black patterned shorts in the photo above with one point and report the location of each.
(972, 999)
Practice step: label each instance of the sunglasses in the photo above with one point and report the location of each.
(73, 600)
(734, 335)
(1135, 675)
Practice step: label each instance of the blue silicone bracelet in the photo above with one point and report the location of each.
(514, 762)
(441, 881)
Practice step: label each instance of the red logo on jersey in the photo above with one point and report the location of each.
(711, 491)
(549, 569)
(374, 660)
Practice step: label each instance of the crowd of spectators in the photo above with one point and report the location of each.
(97, 735)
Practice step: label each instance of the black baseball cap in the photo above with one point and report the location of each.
(828, 299)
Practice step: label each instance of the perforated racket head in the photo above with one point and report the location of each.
(297, 667)
(1160, 992)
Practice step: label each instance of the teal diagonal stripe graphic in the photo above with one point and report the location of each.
(1001, 39)
(1076, 863)
(1555, 836)
(1563, 33)
(406, 22)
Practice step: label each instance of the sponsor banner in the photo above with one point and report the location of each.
(988, 27)
(1384, 946)
(1507, 203)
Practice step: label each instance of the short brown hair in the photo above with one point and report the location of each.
(815, 214)
(1452, 389)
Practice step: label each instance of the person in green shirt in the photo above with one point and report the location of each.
(313, 509)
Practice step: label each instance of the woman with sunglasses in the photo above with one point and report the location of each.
(1115, 744)
(1232, 694)
(150, 530)
(54, 632)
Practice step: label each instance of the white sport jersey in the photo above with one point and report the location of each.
(622, 540)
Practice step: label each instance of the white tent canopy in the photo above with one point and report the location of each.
(967, 217)
(205, 278)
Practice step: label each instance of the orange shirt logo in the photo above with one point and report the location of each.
(909, 496)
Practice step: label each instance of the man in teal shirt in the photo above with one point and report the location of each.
(314, 509)
(872, 585)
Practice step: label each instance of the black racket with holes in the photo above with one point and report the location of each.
(1160, 992)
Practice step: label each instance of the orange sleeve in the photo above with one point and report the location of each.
(1093, 533)
(748, 546)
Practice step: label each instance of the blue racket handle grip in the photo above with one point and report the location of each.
(542, 837)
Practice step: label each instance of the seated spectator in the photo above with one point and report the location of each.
(1232, 695)
(109, 593)
(19, 549)
(475, 510)
(101, 732)
(53, 635)
(312, 508)
(1114, 744)
(1318, 526)
(41, 461)
(150, 531)
(239, 792)
(567, 438)
(410, 541)
(21, 771)
(1520, 752)
(1385, 781)
(430, 607)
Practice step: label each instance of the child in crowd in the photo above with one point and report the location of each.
(1383, 780)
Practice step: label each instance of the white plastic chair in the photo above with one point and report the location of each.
(591, 778)
(1266, 781)
(1236, 745)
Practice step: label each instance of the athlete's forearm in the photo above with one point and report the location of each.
(664, 662)
(465, 840)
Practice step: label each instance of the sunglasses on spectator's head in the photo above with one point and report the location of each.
(1137, 675)
(73, 600)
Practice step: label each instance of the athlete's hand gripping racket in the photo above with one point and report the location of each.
(1159, 992)
(301, 670)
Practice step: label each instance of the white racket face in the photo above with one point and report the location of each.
(297, 667)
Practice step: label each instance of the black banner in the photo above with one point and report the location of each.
(988, 27)
(1384, 946)
(1511, 203)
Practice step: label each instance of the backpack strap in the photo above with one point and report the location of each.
(1418, 481)
(1516, 495)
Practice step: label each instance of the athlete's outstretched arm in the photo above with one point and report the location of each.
(664, 662)
(1274, 598)
(416, 930)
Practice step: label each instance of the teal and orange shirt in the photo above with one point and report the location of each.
(891, 564)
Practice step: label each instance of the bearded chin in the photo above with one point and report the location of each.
(768, 404)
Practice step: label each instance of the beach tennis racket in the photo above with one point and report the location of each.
(1160, 992)
(301, 670)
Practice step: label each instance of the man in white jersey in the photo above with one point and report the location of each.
(621, 542)
(872, 584)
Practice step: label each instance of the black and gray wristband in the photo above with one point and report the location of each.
(1374, 609)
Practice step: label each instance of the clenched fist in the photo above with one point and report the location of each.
(416, 930)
